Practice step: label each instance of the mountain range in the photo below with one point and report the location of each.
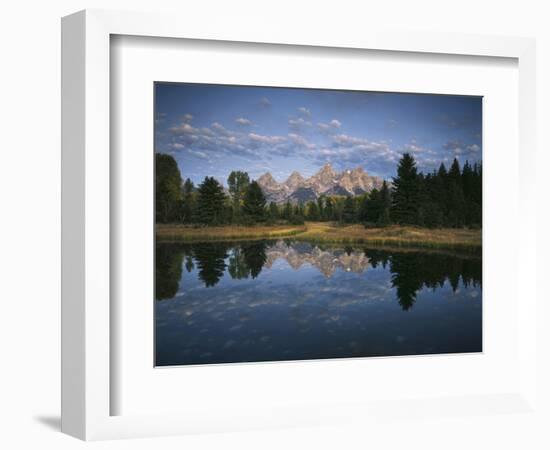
(326, 261)
(326, 181)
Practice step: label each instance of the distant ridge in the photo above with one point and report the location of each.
(326, 181)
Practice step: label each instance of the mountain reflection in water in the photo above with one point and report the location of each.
(252, 301)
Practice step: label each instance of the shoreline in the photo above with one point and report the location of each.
(329, 233)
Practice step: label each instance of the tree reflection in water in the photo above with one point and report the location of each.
(210, 259)
(410, 270)
(168, 259)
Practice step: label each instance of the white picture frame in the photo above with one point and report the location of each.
(86, 218)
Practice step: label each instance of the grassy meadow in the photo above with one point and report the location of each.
(327, 232)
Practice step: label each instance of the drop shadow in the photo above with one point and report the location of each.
(51, 422)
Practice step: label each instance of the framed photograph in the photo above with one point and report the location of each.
(265, 229)
(315, 224)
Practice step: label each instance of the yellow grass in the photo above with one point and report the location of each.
(228, 233)
(394, 236)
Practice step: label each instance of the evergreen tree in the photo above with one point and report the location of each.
(300, 209)
(312, 211)
(298, 214)
(254, 203)
(362, 207)
(338, 208)
(210, 202)
(405, 192)
(456, 204)
(188, 200)
(348, 212)
(422, 199)
(168, 192)
(372, 206)
(476, 195)
(329, 209)
(384, 218)
(454, 173)
(273, 211)
(467, 180)
(287, 211)
(321, 207)
(385, 195)
(439, 192)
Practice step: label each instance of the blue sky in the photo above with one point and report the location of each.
(214, 129)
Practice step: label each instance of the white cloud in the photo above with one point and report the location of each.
(415, 149)
(183, 128)
(266, 139)
(300, 141)
(459, 148)
(198, 154)
(264, 101)
(298, 124)
(330, 127)
(304, 111)
(177, 146)
(242, 121)
(187, 118)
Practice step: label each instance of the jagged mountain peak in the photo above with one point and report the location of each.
(267, 180)
(326, 181)
(326, 169)
(295, 174)
(266, 177)
(295, 180)
(324, 177)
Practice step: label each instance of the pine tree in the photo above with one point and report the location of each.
(168, 192)
(188, 200)
(384, 218)
(287, 211)
(476, 196)
(254, 203)
(454, 173)
(373, 206)
(348, 213)
(297, 215)
(362, 210)
(422, 199)
(329, 209)
(210, 202)
(312, 211)
(321, 207)
(273, 211)
(456, 204)
(405, 192)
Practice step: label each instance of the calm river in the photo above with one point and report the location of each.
(282, 300)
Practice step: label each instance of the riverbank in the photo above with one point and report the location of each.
(182, 233)
(326, 232)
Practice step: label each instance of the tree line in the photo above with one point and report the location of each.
(450, 198)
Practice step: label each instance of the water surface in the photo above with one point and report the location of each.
(282, 300)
